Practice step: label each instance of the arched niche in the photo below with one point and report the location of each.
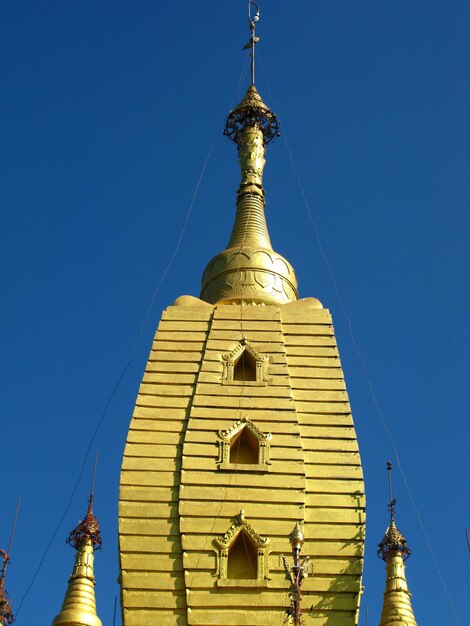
(245, 366)
(241, 556)
(244, 447)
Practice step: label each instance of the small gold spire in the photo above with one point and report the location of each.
(249, 270)
(296, 537)
(394, 551)
(295, 574)
(79, 606)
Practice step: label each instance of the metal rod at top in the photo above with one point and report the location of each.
(253, 40)
(14, 525)
(252, 53)
(391, 505)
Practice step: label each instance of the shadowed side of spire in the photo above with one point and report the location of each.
(396, 608)
(79, 606)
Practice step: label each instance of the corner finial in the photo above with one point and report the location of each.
(253, 39)
(295, 574)
(79, 606)
(6, 612)
(88, 529)
(396, 607)
(393, 540)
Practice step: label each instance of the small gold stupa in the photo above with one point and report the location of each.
(79, 606)
(393, 550)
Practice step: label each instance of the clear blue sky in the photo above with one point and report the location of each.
(107, 112)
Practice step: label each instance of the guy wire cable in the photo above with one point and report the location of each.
(219, 132)
(363, 364)
(133, 352)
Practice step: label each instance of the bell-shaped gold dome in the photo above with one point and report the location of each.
(249, 270)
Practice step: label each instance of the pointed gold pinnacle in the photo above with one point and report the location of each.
(79, 606)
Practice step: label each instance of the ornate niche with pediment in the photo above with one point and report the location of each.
(245, 366)
(244, 447)
(241, 556)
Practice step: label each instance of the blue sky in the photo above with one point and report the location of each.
(107, 113)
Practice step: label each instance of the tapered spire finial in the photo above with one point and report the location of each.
(295, 574)
(393, 539)
(394, 551)
(249, 270)
(6, 610)
(79, 606)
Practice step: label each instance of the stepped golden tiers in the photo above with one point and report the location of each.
(242, 429)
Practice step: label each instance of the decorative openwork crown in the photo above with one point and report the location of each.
(393, 541)
(87, 529)
(6, 613)
(251, 112)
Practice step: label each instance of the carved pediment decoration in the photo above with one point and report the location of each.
(240, 524)
(244, 422)
(256, 365)
(228, 540)
(258, 441)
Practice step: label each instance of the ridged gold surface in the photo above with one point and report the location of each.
(252, 99)
(250, 228)
(396, 610)
(79, 607)
(175, 501)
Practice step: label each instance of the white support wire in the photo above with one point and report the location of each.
(132, 354)
(362, 361)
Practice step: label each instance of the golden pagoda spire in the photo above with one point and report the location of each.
(249, 270)
(394, 551)
(79, 606)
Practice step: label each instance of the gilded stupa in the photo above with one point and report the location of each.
(79, 605)
(393, 549)
(242, 431)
